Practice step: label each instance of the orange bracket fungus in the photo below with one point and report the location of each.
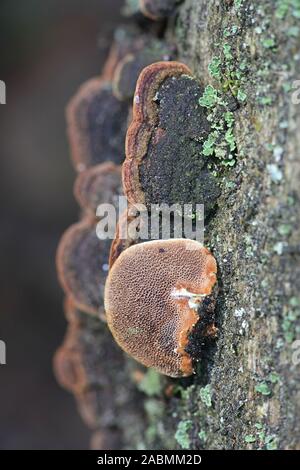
(98, 184)
(164, 160)
(148, 50)
(97, 123)
(80, 366)
(169, 285)
(157, 9)
(122, 240)
(82, 265)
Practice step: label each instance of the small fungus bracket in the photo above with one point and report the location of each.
(164, 161)
(82, 261)
(97, 123)
(157, 9)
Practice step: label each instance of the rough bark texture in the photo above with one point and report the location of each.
(246, 393)
(251, 379)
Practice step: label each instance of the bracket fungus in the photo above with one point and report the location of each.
(152, 318)
(97, 123)
(122, 240)
(164, 142)
(80, 366)
(82, 264)
(146, 51)
(157, 9)
(98, 184)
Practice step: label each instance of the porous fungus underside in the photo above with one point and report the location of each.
(152, 318)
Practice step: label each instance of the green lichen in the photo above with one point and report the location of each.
(282, 9)
(237, 4)
(285, 229)
(221, 141)
(269, 43)
(210, 97)
(289, 325)
(241, 95)
(265, 100)
(271, 442)
(214, 68)
(202, 435)
(273, 377)
(205, 395)
(151, 384)
(231, 31)
(250, 438)
(293, 31)
(287, 7)
(230, 75)
(294, 302)
(182, 434)
(227, 51)
(263, 388)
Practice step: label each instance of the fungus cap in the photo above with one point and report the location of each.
(82, 263)
(157, 9)
(164, 143)
(143, 121)
(152, 295)
(98, 184)
(97, 123)
(147, 50)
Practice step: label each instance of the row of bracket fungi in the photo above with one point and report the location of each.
(153, 9)
(89, 363)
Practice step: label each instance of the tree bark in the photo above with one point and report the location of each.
(252, 375)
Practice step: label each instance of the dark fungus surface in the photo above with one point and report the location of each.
(165, 139)
(98, 184)
(97, 123)
(82, 263)
(150, 50)
(157, 9)
(81, 366)
(174, 170)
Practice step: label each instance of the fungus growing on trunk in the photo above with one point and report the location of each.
(157, 9)
(152, 318)
(98, 184)
(148, 50)
(82, 265)
(164, 161)
(80, 366)
(97, 123)
(122, 240)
